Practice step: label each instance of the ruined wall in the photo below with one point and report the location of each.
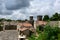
(59, 23)
(51, 23)
(54, 23)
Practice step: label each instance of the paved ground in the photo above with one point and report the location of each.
(9, 35)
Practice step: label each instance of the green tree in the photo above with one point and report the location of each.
(59, 17)
(55, 17)
(32, 37)
(9, 20)
(46, 18)
(2, 19)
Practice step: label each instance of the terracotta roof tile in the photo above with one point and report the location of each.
(25, 24)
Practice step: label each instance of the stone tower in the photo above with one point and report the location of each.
(31, 20)
(39, 18)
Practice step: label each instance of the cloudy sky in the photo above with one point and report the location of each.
(22, 9)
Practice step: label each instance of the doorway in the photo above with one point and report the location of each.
(22, 38)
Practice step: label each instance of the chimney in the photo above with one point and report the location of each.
(31, 17)
(31, 20)
(39, 17)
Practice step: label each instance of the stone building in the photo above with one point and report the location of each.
(39, 22)
(25, 28)
(31, 20)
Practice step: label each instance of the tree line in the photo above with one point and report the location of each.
(55, 17)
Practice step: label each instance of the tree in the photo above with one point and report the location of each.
(2, 19)
(46, 18)
(59, 17)
(55, 17)
(32, 37)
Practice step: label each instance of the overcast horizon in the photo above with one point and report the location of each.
(22, 9)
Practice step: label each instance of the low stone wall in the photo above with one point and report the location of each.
(54, 23)
(59, 23)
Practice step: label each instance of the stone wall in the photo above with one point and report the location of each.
(59, 23)
(54, 23)
(51, 23)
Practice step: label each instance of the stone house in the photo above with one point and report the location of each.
(25, 28)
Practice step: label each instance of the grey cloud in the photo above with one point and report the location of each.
(4, 11)
(16, 4)
(23, 9)
(11, 5)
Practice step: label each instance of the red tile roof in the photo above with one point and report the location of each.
(25, 24)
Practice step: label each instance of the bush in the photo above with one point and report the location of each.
(49, 33)
(32, 37)
(1, 28)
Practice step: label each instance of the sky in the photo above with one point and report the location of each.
(22, 9)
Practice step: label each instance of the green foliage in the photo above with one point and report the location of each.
(55, 17)
(1, 28)
(32, 37)
(58, 36)
(2, 19)
(46, 18)
(9, 20)
(59, 17)
(49, 33)
(38, 31)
